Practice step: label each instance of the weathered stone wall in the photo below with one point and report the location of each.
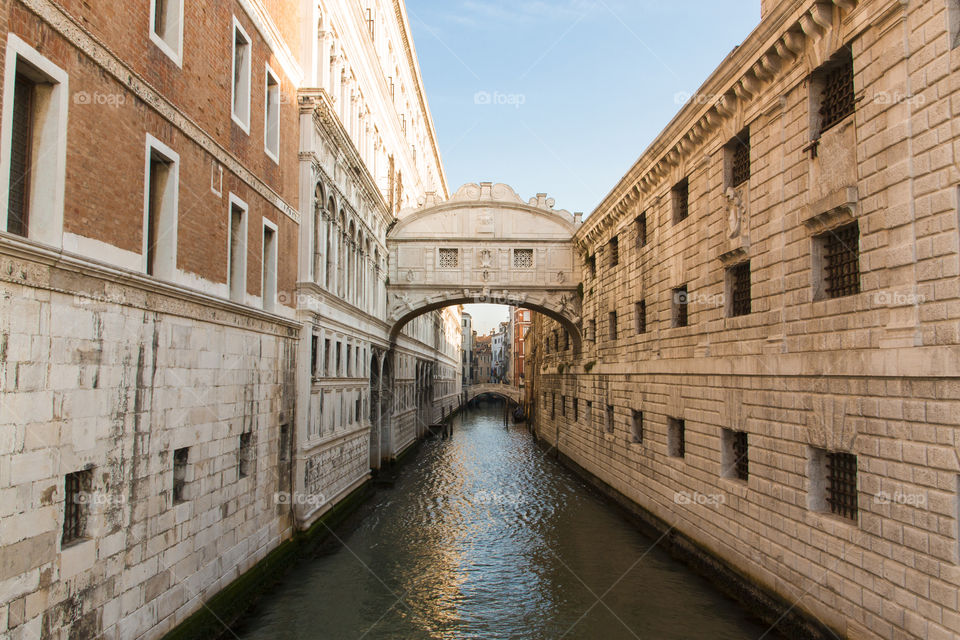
(874, 374)
(113, 377)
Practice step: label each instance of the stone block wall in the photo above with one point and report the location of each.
(804, 375)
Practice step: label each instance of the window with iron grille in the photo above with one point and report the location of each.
(21, 151)
(522, 258)
(245, 455)
(740, 158)
(563, 406)
(738, 278)
(841, 261)
(610, 418)
(180, 459)
(681, 200)
(637, 426)
(76, 501)
(589, 414)
(591, 329)
(284, 443)
(837, 99)
(576, 410)
(314, 340)
(641, 223)
(681, 300)
(614, 251)
(676, 437)
(640, 316)
(449, 258)
(842, 484)
(553, 406)
(613, 325)
(735, 461)
(592, 265)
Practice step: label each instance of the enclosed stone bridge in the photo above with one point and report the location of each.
(503, 390)
(484, 245)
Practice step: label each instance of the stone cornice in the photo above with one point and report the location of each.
(161, 297)
(761, 60)
(421, 97)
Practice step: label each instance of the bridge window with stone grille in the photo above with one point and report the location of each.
(676, 437)
(839, 253)
(738, 288)
(523, 258)
(76, 501)
(641, 225)
(681, 200)
(449, 258)
(738, 151)
(681, 301)
(834, 90)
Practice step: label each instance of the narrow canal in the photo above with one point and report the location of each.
(485, 536)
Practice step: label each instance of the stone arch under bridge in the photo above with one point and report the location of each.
(485, 245)
(502, 390)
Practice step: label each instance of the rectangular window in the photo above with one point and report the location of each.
(676, 437)
(681, 300)
(591, 329)
(449, 258)
(738, 290)
(589, 413)
(641, 226)
(612, 325)
(636, 424)
(614, 247)
(240, 110)
(610, 419)
(271, 110)
(237, 255)
(314, 347)
(839, 259)
(680, 195)
(245, 455)
(953, 30)
(35, 154)
(284, 453)
(563, 406)
(834, 96)
(77, 487)
(327, 361)
(268, 277)
(180, 459)
(160, 210)
(553, 406)
(736, 463)
(339, 369)
(166, 27)
(833, 483)
(576, 410)
(640, 316)
(592, 265)
(523, 258)
(738, 153)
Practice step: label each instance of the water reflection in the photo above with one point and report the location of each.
(483, 536)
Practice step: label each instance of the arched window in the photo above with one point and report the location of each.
(317, 231)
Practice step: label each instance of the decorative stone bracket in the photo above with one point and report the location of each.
(832, 211)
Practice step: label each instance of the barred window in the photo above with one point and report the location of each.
(614, 251)
(592, 265)
(449, 258)
(610, 419)
(842, 484)
(676, 437)
(681, 200)
(576, 410)
(641, 223)
(640, 316)
(740, 158)
(180, 459)
(613, 325)
(735, 461)
(841, 261)
(522, 258)
(739, 288)
(77, 487)
(637, 426)
(563, 406)
(837, 99)
(245, 454)
(681, 300)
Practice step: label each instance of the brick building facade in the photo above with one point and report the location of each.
(770, 312)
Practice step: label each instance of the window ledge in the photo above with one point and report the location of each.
(831, 211)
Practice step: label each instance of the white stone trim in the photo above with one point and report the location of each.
(103, 251)
(269, 305)
(46, 201)
(237, 118)
(169, 269)
(270, 73)
(174, 54)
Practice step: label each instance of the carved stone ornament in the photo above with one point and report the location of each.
(410, 275)
(486, 258)
(561, 276)
(735, 212)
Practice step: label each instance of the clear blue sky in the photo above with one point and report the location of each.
(563, 96)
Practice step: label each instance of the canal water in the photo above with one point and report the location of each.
(485, 536)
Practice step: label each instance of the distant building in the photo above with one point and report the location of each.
(521, 324)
